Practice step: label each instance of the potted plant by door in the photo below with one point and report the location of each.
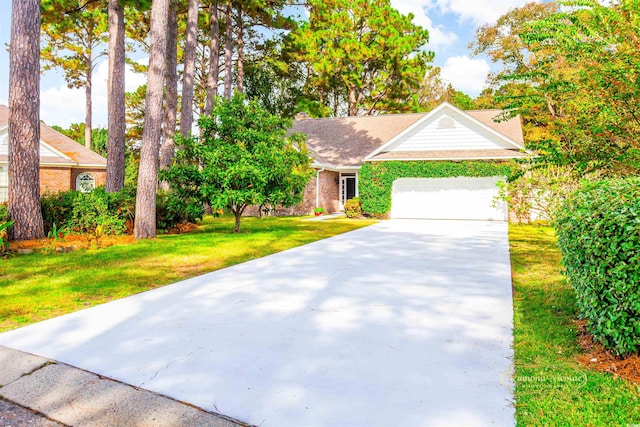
(319, 211)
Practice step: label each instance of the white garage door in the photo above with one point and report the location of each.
(447, 198)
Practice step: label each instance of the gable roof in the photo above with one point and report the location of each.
(57, 149)
(346, 141)
(349, 141)
(461, 133)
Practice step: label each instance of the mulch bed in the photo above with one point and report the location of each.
(72, 242)
(596, 357)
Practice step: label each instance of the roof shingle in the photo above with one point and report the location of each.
(346, 141)
(81, 155)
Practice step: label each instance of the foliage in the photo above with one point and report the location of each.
(275, 85)
(57, 232)
(573, 70)
(363, 53)
(353, 208)
(72, 36)
(244, 156)
(84, 212)
(172, 210)
(97, 276)
(57, 208)
(434, 90)
(551, 386)
(4, 212)
(376, 179)
(4, 243)
(135, 112)
(99, 137)
(538, 192)
(599, 236)
(98, 210)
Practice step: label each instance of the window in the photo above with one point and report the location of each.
(4, 183)
(446, 123)
(85, 182)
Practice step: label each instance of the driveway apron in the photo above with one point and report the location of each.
(404, 323)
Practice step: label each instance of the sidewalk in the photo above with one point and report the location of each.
(63, 395)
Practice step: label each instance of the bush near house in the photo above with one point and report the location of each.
(599, 235)
(353, 208)
(376, 179)
(84, 212)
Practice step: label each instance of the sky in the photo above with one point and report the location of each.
(451, 24)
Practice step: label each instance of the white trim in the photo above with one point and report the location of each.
(318, 187)
(60, 165)
(454, 110)
(56, 151)
(404, 159)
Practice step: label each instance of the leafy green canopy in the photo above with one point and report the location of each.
(582, 64)
(244, 156)
(363, 53)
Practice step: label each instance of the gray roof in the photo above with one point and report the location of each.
(346, 141)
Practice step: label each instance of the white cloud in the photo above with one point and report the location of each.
(62, 105)
(466, 74)
(480, 12)
(439, 37)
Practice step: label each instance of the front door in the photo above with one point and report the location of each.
(347, 188)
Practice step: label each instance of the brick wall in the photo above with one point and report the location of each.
(328, 197)
(53, 179)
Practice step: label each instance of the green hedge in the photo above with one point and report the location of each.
(599, 235)
(376, 179)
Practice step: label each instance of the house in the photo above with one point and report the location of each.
(64, 164)
(466, 140)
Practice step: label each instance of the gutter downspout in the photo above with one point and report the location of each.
(318, 187)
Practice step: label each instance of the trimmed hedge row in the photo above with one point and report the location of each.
(376, 179)
(599, 235)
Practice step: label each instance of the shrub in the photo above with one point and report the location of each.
(98, 209)
(172, 210)
(352, 208)
(599, 235)
(57, 208)
(4, 212)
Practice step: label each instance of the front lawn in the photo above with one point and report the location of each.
(39, 286)
(552, 388)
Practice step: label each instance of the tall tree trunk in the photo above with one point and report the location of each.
(88, 104)
(214, 59)
(240, 43)
(228, 48)
(117, 124)
(167, 149)
(353, 102)
(145, 222)
(24, 121)
(186, 108)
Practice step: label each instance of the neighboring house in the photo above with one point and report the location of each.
(64, 164)
(340, 147)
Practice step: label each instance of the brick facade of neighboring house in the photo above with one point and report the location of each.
(62, 161)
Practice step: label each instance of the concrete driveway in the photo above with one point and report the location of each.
(404, 323)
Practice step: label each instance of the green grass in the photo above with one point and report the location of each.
(40, 286)
(552, 389)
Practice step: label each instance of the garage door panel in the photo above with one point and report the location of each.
(447, 198)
